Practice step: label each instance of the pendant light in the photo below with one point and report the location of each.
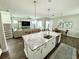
(35, 13)
(35, 8)
(48, 13)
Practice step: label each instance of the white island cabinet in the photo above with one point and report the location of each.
(37, 47)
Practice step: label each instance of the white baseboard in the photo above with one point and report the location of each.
(73, 34)
(5, 50)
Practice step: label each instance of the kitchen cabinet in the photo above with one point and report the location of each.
(36, 54)
(8, 31)
(2, 35)
(38, 47)
(48, 47)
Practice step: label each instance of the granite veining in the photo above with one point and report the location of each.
(37, 39)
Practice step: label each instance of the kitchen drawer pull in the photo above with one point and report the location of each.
(38, 49)
(52, 43)
(41, 51)
(45, 45)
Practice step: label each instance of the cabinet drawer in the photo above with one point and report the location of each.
(47, 47)
(53, 43)
(36, 54)
(37, 50)
(45, 50)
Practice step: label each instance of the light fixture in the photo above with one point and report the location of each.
(35, 8)
(49, 0)
(48, 13)
(35, 13)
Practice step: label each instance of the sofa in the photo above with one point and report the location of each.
(21, 32)
(63, 32)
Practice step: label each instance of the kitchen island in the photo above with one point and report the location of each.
(36, 46)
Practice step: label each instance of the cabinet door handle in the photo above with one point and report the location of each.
(45, 46)
(52, 42)
(41, 51)
(38, 49)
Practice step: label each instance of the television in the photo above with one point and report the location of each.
(25, 23)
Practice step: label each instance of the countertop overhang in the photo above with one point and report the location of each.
(36, 40)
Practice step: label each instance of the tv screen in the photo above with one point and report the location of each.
(25, 23)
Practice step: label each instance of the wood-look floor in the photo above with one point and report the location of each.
(15, 47)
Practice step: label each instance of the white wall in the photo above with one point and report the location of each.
(16, 22)
(74, 31)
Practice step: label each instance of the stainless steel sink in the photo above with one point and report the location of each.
(47, 36)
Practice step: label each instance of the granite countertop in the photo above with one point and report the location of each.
(36, 40)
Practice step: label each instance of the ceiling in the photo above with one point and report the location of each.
(26, 7)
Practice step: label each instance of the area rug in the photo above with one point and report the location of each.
(64, 52)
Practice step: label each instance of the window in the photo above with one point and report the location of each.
(39, 25)
(49, 25)
(33, 24)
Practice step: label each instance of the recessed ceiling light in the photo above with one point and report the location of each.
(7, 10)
(49, 0)
(53, 15)
(48, 9)
(34, 1)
